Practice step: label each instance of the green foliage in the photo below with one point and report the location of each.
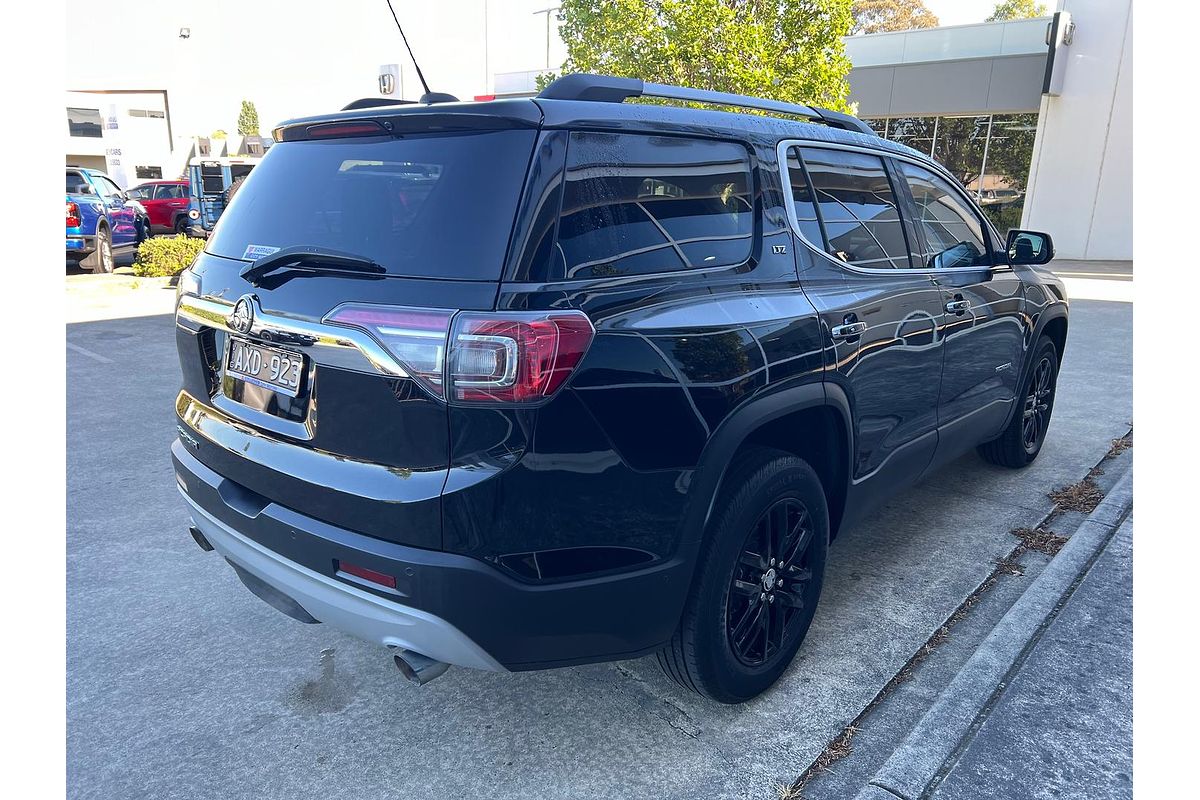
(789, 50)
(218, 134)
(878, 16)
(248, 119)
(1017, 9)
(166, 255)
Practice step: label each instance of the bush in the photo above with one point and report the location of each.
(166, 255)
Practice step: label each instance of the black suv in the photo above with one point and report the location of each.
(536, 382)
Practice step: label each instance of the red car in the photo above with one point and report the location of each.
(167, 203)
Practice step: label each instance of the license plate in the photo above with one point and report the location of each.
(269, 367)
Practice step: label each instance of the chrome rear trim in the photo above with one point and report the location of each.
(331, 345)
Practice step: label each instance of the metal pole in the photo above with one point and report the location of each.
(547, 12)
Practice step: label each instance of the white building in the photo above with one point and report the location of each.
(126, 133)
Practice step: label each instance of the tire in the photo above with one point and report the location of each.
(143, 231)
(724, 649)
(101, 259)
(1022, 440)
(181, 225)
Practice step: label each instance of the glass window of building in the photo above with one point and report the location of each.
(916, 132)
(959, 147)
(1006, 170)
(84, 122)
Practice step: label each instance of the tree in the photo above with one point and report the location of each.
(218, 134)
(248, 119)
(1017, 9)
(789, 50)
(877, 16)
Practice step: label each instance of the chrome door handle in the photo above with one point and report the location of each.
(848, 329)
(958, 306)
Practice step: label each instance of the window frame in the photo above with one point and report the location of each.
(905, 211)
(905, 230)
(755, 189)
(990, 239)
(160, 191)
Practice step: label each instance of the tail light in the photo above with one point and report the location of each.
(72, 215)
(478, 357)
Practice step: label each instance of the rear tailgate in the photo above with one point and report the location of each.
(345, 434)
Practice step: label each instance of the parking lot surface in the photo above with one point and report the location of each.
(181, 684)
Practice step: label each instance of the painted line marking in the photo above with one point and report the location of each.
(88, 353)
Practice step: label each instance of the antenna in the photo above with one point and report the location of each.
(429, 96)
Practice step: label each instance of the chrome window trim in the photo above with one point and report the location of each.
(332, 345)
(789, 205)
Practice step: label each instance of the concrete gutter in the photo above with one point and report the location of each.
(945, 730)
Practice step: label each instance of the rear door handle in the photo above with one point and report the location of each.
(959, 306)
(846, 330)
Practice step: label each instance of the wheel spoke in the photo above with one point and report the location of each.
(748, 624)
(746, 587)
(789, 598)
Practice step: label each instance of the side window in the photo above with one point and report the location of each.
(641, 204)
(952, 230)
(106, 187)
(857, 208)
(141, 193)
(168, 191)
(802, 200)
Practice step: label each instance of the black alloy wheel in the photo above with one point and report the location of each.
(767, 591)
(1036, 414)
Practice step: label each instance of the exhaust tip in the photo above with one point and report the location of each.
(417, 668)
(200, 540)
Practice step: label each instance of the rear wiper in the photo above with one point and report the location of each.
(315, 259)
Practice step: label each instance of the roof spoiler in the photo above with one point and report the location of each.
(609, 89)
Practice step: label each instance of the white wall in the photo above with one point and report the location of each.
(1080, 183)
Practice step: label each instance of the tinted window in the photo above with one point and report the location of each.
(169, 191)
(432, 205)
(141, 193)
(84, 122)
(858, 209)
(802, 201)
(952, 231)
(77, 184)
(640, 204)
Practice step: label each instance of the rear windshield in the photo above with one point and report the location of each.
(422, 205)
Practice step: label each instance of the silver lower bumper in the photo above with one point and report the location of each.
(349, 609)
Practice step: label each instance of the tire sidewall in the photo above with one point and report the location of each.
(729, 679)
(103, 245)
(1045, 349)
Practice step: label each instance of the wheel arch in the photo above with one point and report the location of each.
(810, 421)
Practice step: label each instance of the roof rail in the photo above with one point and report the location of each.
(609, 89)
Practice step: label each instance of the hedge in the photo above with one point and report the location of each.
(161, 256)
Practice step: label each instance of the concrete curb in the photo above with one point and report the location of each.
(938, 736)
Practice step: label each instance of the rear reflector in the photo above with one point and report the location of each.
(367, 574)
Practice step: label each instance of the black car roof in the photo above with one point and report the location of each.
(545, 112)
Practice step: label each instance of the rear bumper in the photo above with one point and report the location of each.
(347, 608)
(80, 245)
(447, 606)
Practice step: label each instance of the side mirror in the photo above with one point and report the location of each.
(1029, 247)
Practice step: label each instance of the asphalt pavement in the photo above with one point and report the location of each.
(181, 684)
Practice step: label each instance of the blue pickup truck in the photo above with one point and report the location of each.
(101, 220)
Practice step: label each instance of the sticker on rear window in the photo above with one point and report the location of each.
(257, 251)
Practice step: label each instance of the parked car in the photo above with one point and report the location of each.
(166, 203)
(596, 380)
(212, 183)
(102, 220)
